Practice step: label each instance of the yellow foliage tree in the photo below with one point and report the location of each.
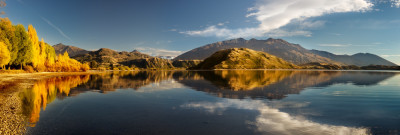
(4, 55)
(39, 54)
(35, 45)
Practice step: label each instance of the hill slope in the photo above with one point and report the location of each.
(293, 53)
(72, 50)
(359, 59)
(243, 58)
(105, 57)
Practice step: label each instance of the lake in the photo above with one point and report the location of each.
(214, 102)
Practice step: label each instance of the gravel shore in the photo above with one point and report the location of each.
(12, 121)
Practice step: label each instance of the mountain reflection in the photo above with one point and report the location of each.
(122, 80)
(275, 84)
(237, 84)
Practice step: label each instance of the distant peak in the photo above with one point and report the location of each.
(60, 44)
(240, 39)
(105, 49)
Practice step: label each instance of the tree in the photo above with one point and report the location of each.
(35, 45)
(25, 46)
(4, 55)
(7, 36)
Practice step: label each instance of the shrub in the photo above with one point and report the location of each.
(41, 68)
(85, 67)
(29, 69)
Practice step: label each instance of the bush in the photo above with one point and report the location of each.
(29, 69)
(85, 67)
(102, 68)
(41, 68)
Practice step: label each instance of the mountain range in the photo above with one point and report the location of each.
(359, 59)
(108, 58)
(290, 52)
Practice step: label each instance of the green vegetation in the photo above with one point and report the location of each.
(243, 58)
(186, 63)
(20, 48)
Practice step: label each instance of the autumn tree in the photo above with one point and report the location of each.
(4, 55)
(35, 45)
(20, 47)
(25, 46)
(7, 36)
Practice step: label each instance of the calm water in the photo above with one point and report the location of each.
(216, 102)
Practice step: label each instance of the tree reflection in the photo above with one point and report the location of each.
(44, 92)
(270, 84)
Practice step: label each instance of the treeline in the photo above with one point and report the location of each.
(21, 49)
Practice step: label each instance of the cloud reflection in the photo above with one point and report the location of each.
(273, 121)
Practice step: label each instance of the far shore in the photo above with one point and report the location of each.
(13, 77)
(21, 80)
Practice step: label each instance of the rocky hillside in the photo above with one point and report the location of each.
(185, 63)
(72, 50)
(293, 53)
(359, 59)
(105, 57)
(243, 58)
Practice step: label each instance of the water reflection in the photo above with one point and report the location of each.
(122, 80)
(273, 121)
(276, 84)
(44, 92)
(228, 84)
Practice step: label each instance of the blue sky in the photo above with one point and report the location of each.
(161, 27)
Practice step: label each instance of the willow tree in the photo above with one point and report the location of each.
(4, 55)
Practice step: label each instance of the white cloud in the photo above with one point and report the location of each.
(272, 15)
(224, 32)
(158, 52)
(161, 86)
(273, 121)
(344, 45)
(395, 3)
(398, 55)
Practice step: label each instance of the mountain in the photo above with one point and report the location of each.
(105, 57)
(72, 50)
(293, 53)
(185, 63)
(243, 58)
(359, 59)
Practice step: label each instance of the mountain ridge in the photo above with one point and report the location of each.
(72, 50)
(290, 52)
(243, 58)
(358, 59)
(293, 53)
